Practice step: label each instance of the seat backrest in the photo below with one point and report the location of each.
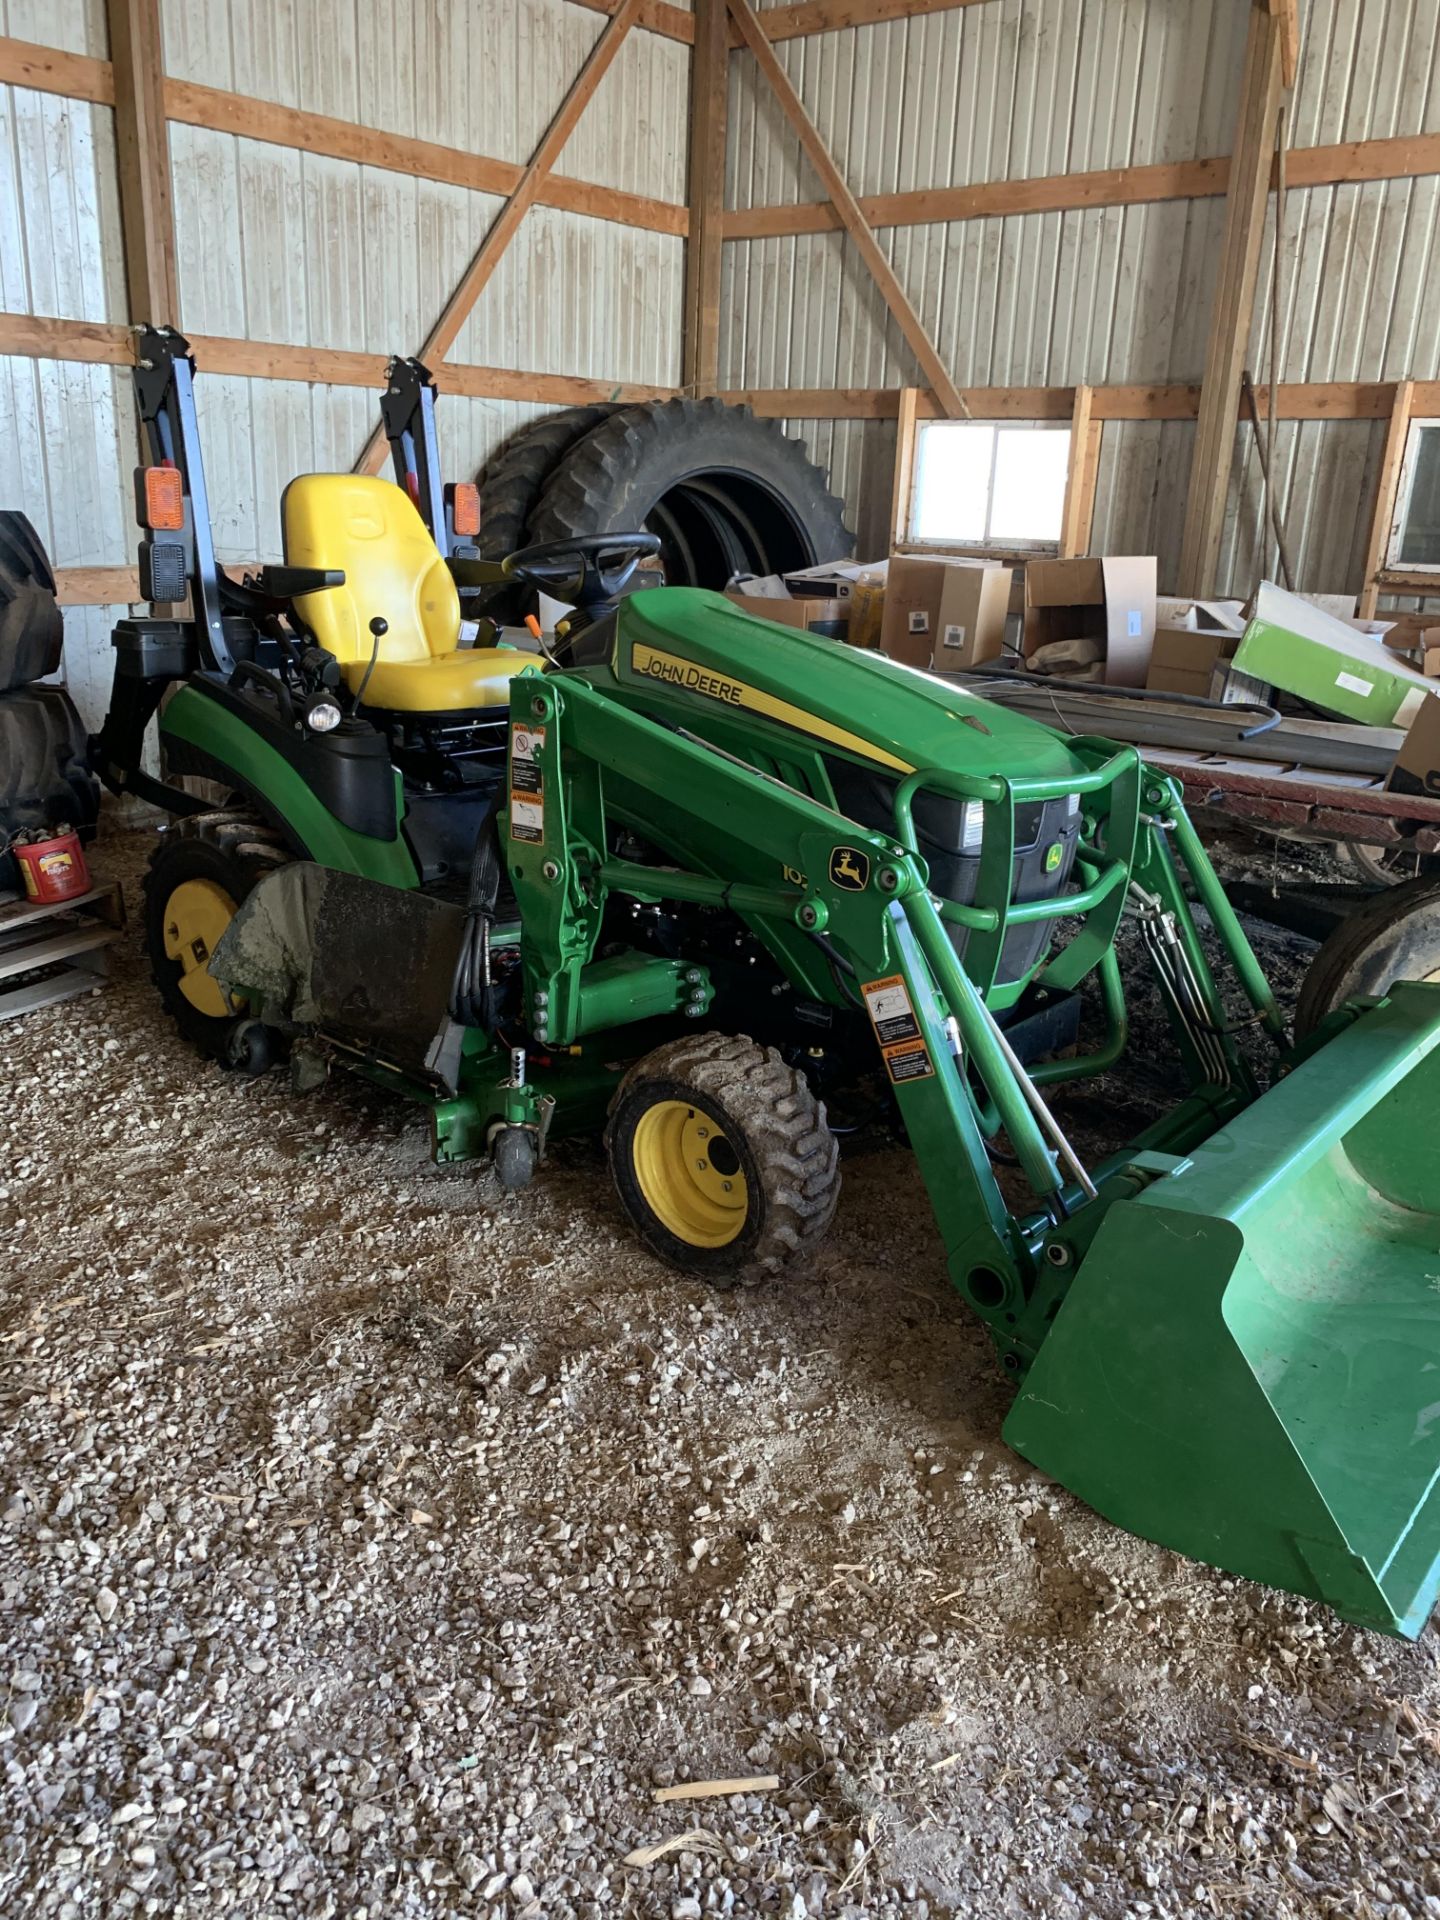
(392, 568)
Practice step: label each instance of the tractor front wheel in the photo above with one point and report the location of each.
(198, 875)
(722, 1157)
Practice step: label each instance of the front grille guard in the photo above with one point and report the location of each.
(1007, 1095)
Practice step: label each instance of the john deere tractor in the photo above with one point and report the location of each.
(690, 877)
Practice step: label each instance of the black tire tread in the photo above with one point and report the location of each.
(511, 483)
(590, 489)
(1398, 929)
(239, 849)
(45, 777)
(783, 1124)
(31, 625)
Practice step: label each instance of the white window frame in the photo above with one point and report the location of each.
(1404, 488)
(988, 543)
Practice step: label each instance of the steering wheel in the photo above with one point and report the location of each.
(589, 571)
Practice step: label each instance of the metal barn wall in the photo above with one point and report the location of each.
(278, 245)
(1014, 89)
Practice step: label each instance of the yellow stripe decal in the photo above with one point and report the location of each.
(656, 665)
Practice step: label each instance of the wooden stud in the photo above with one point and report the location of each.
(1075, 521)
(1382, 517)
(845, 204)
(1234, 302)
(142, 145)
(506, 224)
(904, 485)
(1090, 482)
(709, 104)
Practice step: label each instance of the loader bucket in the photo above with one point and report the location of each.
(1246, 1367)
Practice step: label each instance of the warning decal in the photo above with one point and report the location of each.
(527, 817)
(525, 771)
(887, 1002)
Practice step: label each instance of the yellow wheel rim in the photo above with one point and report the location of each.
(196, 914)
(689, 1174)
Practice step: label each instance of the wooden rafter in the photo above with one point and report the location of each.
(1234, 302)
(506, 224)
(709, 96)
(142, 146)
(847, 207)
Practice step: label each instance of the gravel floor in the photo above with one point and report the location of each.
(374, 1543)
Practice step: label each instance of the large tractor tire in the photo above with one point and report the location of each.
(1395, 936)
(31, 626)
(510, 485)
(45, 780)
(727, 493)
(722, 1157)
(202, 869)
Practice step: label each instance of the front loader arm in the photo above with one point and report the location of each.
(796, 871)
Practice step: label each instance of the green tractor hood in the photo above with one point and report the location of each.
(779, 680)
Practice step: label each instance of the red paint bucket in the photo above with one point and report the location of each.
(53, 869)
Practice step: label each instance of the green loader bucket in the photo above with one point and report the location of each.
(1247, 1365)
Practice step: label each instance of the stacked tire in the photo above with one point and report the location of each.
(726, 492)
(45, 778)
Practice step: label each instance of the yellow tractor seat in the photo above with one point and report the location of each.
(393, 572)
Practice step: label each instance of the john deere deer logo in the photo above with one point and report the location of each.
(849, 868)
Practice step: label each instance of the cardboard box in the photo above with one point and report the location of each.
(1184, 660)
(1111, 600)
(945, 615)
(1417, 765)
(1193, 638)
(1306, 651)
(1432, 663)
(835, 579)
(829, 617)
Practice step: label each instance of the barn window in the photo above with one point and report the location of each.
(982, 483)
(1415, 536)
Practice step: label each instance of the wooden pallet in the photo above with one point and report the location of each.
(68, 938)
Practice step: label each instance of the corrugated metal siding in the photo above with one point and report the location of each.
(1011, 90)
(290, 247)
(1020, 88)
(1359, 265)
(65, 429)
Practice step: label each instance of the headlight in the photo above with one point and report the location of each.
(972, 826)
(322, 716)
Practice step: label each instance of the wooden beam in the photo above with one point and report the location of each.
(903, 487)
(1287, 14)
(1050, 193)
(97, 586)
(1075, 520)
(1382, 517)
(655, 15)
(856, 226)
(832, 16)
(1351, 162)
(251, 119)
(142, 145)
(32, 337)
(709, 103)
(48, 70)
(1302, 400)
(1233, 307)
(506, 224)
